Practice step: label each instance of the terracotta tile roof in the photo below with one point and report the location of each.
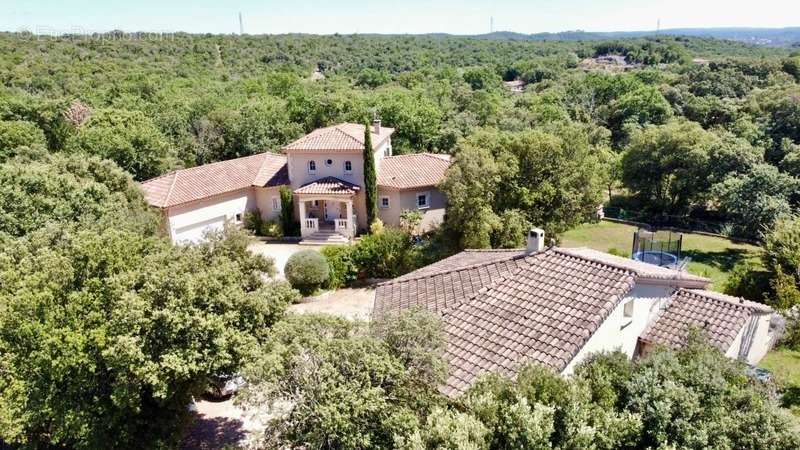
(544, 312)
(345, 137)
(464, 259)
(437, 291)
(643, 270)
(719, 316)
(328, 186)
(412, 171)
(196, 183)
(501, 308)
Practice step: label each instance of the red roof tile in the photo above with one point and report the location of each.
(719, 316)
(345, 137)
(196, 183)
(328, 186)
(542, 312)
(412, 171)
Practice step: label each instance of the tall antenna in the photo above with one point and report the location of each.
(658, 26)
(241, 24)
(491, 24)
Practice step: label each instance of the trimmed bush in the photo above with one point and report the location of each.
(307, 271)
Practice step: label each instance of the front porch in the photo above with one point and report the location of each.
(326, 211)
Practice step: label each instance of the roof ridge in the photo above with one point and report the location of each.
(445, 271)
(171, 187)
(725, 298)
(676, 274)
(337, 128)
(566, 252)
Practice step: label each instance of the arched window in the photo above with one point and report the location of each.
(348, 167)
(312, 167)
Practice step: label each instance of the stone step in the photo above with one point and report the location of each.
(325, 237)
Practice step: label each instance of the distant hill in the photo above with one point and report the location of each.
(777, 37)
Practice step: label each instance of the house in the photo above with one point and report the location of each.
(324, 170)
(501, 309)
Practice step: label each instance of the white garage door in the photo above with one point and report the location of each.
(197, 231)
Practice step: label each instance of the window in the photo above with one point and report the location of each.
(328, 162)
(627, 310)
(423, 200)
(387, 151)
(384, 202)
(348, 167)
(276, 203)
(312, 167)
(237, 218)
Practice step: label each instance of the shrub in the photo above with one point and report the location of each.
(270, 228)
(748, 281)
(253, 222)
(376, 227)
(617, 252)
(307, 271)
(343, 269)
(387, 254)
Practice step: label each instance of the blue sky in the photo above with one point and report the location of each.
(399, 16)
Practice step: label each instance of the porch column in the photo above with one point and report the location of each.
(302, 218)
(350, 224)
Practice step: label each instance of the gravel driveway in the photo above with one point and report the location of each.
(279, 251)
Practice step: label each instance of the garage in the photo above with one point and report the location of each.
(196, 232)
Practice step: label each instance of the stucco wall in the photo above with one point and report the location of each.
(263, 200)
(407, 199)
(622, 333)
(184, 219)
(298, 166)
(762, 341)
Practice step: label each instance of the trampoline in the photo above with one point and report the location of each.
(659, 258)
(660, 248)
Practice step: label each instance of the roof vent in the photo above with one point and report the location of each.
(535, 240)
(376, 126)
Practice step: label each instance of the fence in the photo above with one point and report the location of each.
(681, 224)
(667, 221)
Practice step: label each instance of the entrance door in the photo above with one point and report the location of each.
(332, 209)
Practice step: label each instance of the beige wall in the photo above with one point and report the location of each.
(622, 333)
(762, 340)
(298, 165)
(407, 199)
(264, 204)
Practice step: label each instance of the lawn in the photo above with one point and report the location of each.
(711, 257)
(785, 367)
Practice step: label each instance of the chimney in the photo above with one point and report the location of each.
(535, 240)
(376, 126)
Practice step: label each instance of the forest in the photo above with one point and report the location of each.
(107, 331)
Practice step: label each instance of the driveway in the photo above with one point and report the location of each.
(353, 303)
(279, 251)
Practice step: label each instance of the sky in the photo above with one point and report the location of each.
(398, 16)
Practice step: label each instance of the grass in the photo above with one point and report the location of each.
(785, 367)
(711, 257)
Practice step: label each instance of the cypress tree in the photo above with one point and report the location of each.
(370, 178)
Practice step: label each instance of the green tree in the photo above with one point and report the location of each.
(287, 212)
(667, 165)
(370, 177)
(56, 188)
(107, 349)
(129, 138)
(549, 176)
(15, 134)
(757, 199)
(344, 387)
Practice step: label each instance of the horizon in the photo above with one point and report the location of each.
(414, 17)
